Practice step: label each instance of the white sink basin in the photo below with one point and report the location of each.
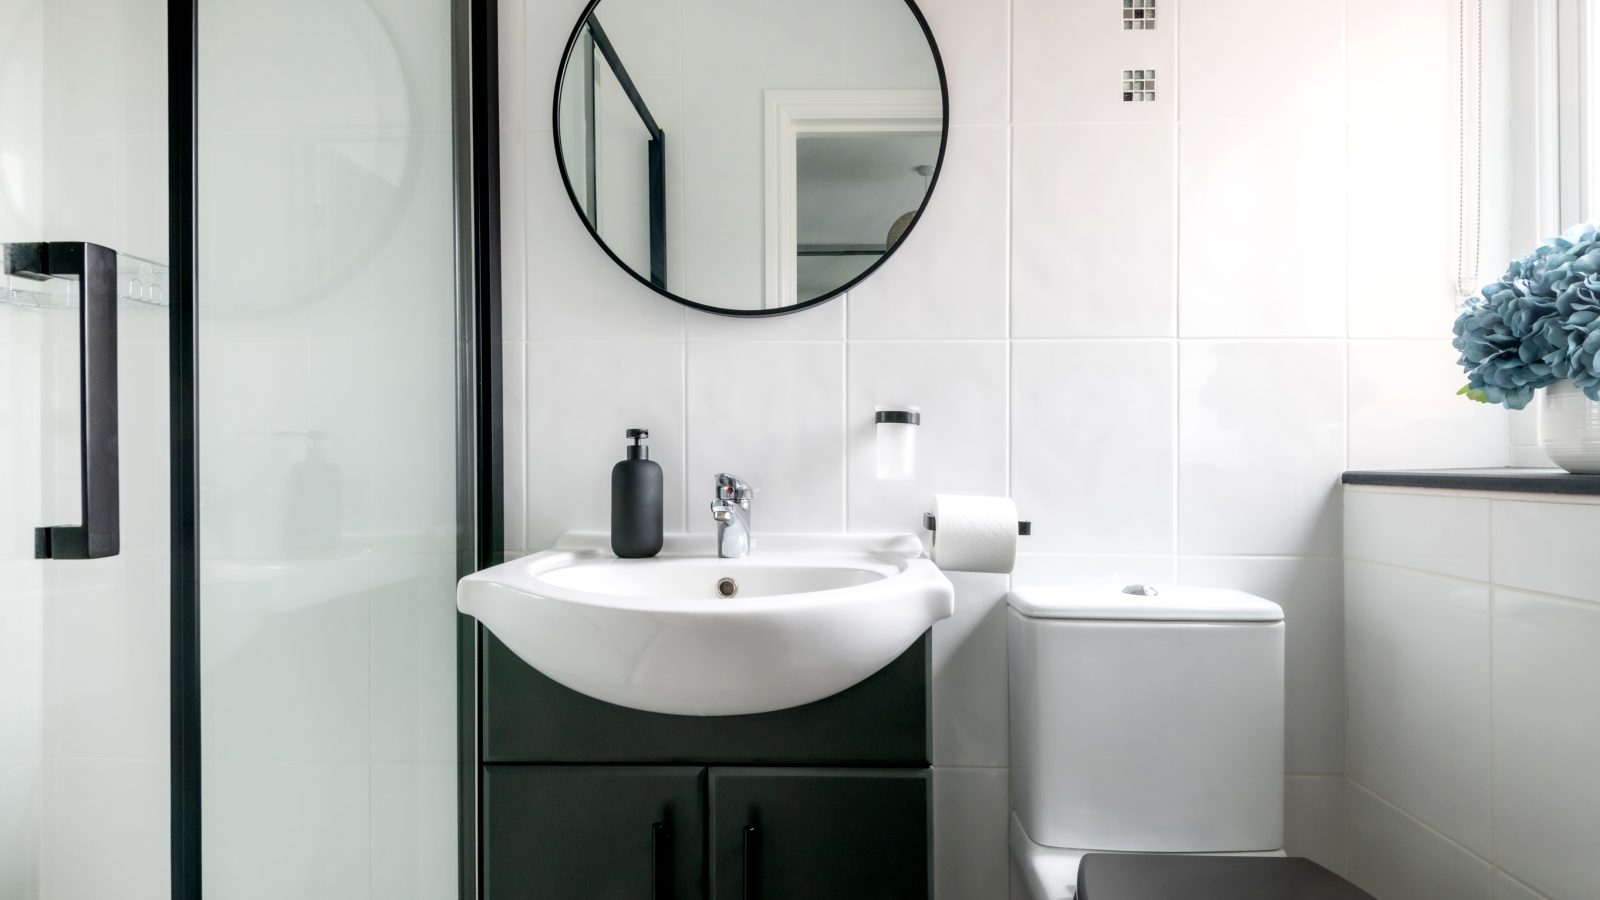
(813, 615)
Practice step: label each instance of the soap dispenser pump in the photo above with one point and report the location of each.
(636, 502)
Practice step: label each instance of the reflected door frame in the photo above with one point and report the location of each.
(791, 115)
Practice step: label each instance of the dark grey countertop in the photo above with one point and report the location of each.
(1525, 481)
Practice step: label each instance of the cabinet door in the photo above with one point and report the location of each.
(861, 834)
(593, 832)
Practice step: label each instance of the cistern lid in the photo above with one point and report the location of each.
(1143, 603)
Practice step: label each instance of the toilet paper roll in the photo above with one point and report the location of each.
(975, 534)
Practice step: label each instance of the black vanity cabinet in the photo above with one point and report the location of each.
(583, 800)
(801, 834)
(639, 832)
(603, 832)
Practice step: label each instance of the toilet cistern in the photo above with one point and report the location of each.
(731, 511)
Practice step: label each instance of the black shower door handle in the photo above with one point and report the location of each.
(95, 268)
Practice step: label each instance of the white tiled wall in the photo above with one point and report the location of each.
(1164, 327)
(1472, 622)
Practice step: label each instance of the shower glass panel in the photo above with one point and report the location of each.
(84, 507)
(326, 309)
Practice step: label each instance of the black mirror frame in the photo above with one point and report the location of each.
(760, 312)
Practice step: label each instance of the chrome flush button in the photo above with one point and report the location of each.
(1140, 590)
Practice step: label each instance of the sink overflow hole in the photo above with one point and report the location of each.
(727, 587)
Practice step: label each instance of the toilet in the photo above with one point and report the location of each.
(1149, 721)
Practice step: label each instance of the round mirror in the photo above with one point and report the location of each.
(751, 157)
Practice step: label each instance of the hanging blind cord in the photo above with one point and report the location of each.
(1466, 277)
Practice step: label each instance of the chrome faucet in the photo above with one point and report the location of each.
(731, 510)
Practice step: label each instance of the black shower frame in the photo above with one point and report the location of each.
(479, 422)
(656, 149)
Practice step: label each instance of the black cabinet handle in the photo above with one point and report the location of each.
(95, 268)
(661, 861)
(750, 851)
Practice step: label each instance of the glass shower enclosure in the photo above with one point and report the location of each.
(314, 341)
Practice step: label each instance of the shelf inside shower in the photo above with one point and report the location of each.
(141, 284)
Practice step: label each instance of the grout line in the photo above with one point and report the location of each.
(1494, 783)
(1176, 286)
(1420, 822)
(844, 435)
(683, 424)
(1349, 370)
(1461, 579)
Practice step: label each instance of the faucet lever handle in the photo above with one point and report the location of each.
(732, 487)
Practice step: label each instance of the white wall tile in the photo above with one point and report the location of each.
(1546, 741)
(1546, 547)
(1508, 888)
(1311, 592)
(512, 57)
(513, 233)
(975, 41)
(1261, 211)
(413, 660)
(581, 293)
(84, 178)
(1045, 569)
(949, 277)
(548, 26)
(1530, 457)
(253, 390)
(1261, 444)
(21, 787)
(582, 397)
(1093, 239)
(285, 650)
(772, 414)
(1313, 821)
(1398, 419)
(21, 663)
(1417, 653)
(106, 824)
(970, 723)
(514, 407)
(144, 446)
(1401, 57)
(314, 815)
(1262, 60)
(1525, 449)
(1403, 201)
(820, 323)
(105, 639)
(364, 448)
(1068, 57)
(961, 443)
(971, 860)
(414, 815)
(1439, 532)
(1092, 458)
(1395, 857)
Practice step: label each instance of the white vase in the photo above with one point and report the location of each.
(1569, 428)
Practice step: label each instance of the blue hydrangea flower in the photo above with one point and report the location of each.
(1579, 316)
(1538, 324)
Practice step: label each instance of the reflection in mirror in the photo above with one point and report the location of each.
(750, 157)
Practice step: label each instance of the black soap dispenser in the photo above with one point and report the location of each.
(636, 502)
